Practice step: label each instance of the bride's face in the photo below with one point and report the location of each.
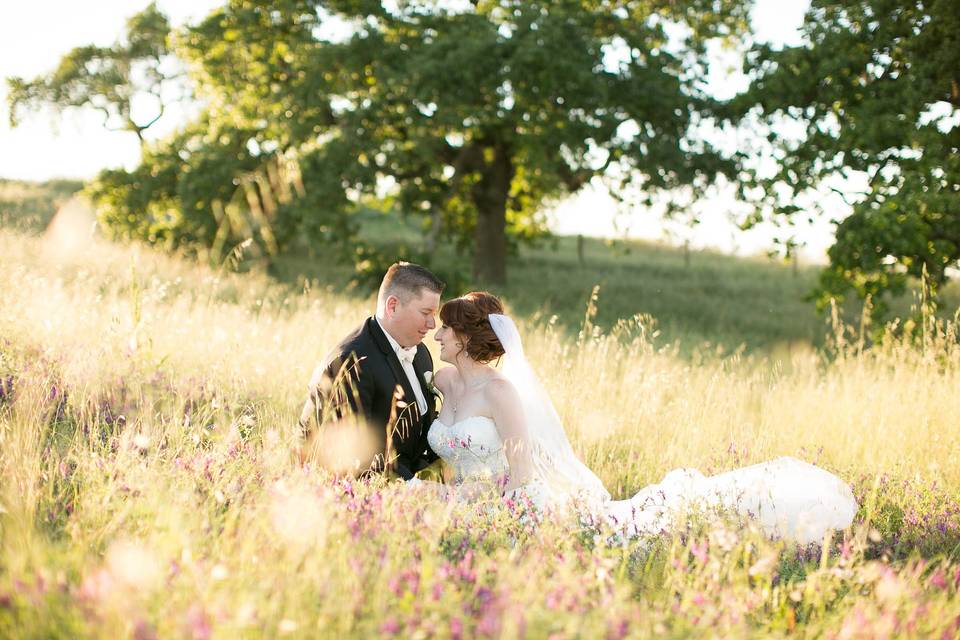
(450, 344)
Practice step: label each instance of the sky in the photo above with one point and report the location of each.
(76, 145)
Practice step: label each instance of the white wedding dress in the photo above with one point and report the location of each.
(788, 498)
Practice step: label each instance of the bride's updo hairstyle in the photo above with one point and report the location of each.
(468, 316)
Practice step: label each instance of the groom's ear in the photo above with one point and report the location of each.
(390, 304)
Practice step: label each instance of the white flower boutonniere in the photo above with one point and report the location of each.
(428, 380)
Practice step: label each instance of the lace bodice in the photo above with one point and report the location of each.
(472, 447)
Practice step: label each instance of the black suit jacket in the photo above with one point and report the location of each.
(370, 372)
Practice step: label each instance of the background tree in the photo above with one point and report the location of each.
(876, 87)
(108, 79)
(478, 115)
(473, 115)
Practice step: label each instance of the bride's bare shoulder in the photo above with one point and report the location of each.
(445, 378)
(501, 389)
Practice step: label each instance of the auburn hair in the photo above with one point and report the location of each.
(468, 316)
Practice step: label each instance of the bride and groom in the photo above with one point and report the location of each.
(497, 429)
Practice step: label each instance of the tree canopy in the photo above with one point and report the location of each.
(876, 87)
(473, 115)
(108, 79)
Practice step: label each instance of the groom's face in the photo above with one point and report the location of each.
(411, 321)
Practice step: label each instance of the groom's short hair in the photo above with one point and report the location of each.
(407, 281)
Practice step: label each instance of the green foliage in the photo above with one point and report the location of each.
(477, 116)
(207, 188)
(875, 87)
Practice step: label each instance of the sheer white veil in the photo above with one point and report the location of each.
(565, 477)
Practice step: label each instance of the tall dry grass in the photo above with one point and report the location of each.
(147, 414)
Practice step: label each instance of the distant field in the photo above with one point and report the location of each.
(707, 301)
(701, 302)
(29, 206)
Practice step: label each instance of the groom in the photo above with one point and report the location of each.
(377, 372)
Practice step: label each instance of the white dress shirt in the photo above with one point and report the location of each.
(407, 364)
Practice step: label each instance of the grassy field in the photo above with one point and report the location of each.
(29, 206)
(147, 486)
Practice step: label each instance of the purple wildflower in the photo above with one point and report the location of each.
(390, 626)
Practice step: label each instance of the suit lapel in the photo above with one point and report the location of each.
(384, 345)
(421, 364)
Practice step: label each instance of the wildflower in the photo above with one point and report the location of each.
(143, 630)
(197, 623)
(297, 517)
(890, 588)
(699, 551)
(489, 624)
(846, 549)
(619, 630)
(939, 580)
(763, 565)
(456, 629)
(390, 626)
(132, 566)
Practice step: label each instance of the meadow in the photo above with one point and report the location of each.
(148, 487)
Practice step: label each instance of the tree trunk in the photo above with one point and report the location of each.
(490, 236)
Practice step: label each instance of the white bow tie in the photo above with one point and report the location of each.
(406, 355)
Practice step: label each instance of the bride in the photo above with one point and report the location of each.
(499, 432)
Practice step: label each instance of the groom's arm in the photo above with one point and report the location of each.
(402, 470)
(337, 388)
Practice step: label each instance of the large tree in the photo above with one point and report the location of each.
(474, 115)
(477, 113)
(108, 79)
(876, 88)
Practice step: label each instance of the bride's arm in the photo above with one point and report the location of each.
(511, 425)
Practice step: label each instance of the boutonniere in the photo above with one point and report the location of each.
(428, 380)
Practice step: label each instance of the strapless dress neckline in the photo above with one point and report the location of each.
(467, 419)
(471, 446)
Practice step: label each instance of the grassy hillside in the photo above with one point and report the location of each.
(716, 298)
(706, 301)
(29, 206)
